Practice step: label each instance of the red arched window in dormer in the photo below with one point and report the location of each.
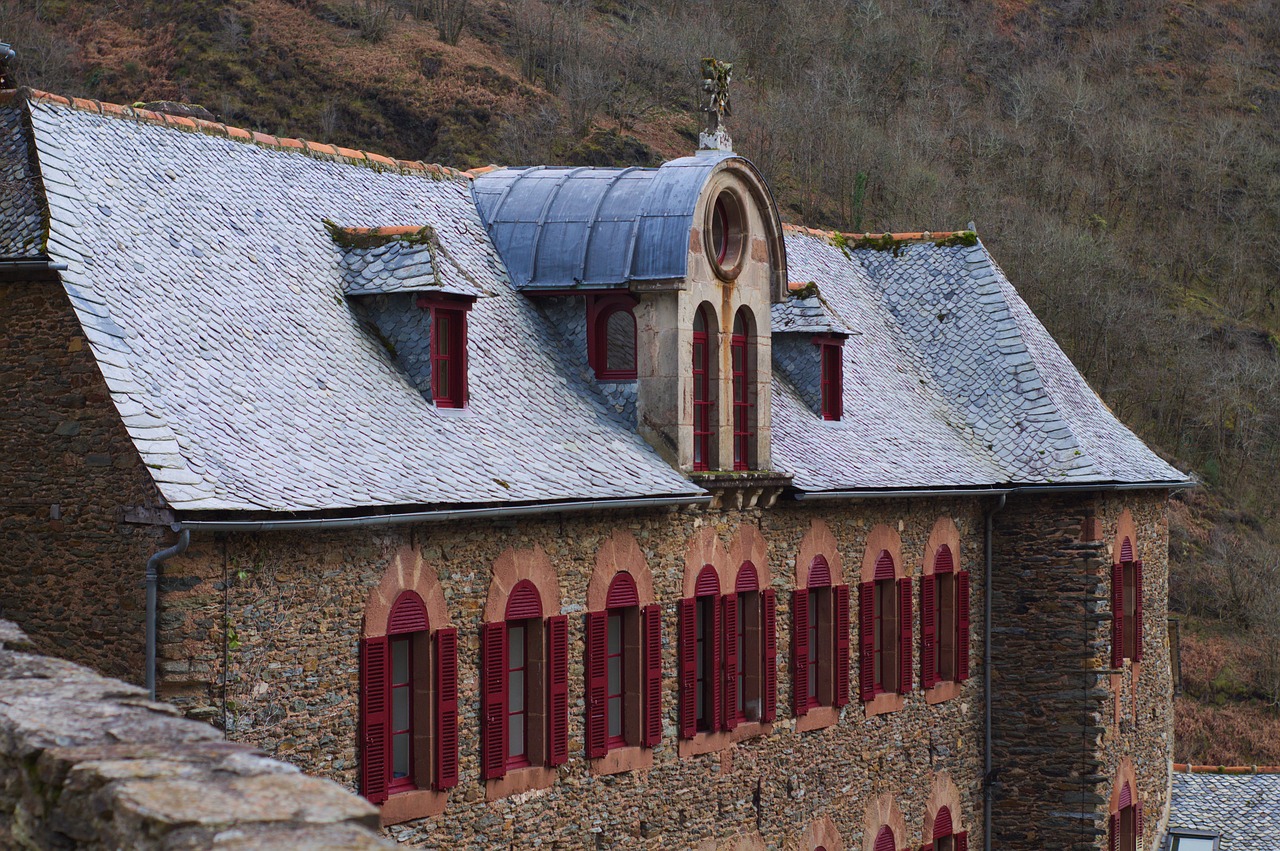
(611, 337)
(740, 356)
(704, 390)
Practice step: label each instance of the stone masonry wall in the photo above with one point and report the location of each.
(1057, 747)
(294, 603)
(70, 471)
(87, 762)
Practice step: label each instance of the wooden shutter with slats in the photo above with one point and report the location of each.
(866, 641)
(1117, 615)
(769, 674)
(1137, 611)
(841, 593)
(729, 631)
(800, 651)
(928, 631)
(375, 717)
(963, 622)
(493, 700)
(595, 671)
(446, 641)
(652, 625)
(904, 635)
(688, 673)
(558, 690)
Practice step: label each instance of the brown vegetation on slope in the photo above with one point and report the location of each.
(1122, 159)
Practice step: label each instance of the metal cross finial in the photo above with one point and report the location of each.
(715, 82)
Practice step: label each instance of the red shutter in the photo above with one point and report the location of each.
(962, 842)
(1113, 836)
(904, 635)
(446, 708)
(1137, 823)
(1137, 611)
(375, 715)
(729, 629)
(928, 630)
(652, 676)
(841, 593)
(962, 626)
(928, 846)
(1117, 616)
(688, 674)
(493, 700)
(800, 651)
(558, 691)
(769, 599)
(716, 675)
(866, 641)
(595, 671)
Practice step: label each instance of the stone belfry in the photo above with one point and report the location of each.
(716, 76)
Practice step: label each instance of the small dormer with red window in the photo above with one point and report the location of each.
(413, 301)
(808, 348)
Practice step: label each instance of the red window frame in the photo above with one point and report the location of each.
(944, 622)
(703, 391)
(600, 309)
(884, 613)
(1126, 823)
(637, 693)
(398, 734)
(831, 354)
(448, 358)
(522, 630)
(702, 671)
(740, 364)
(1126, 607)
(616, 697)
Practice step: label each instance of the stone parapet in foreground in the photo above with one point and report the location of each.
(88, 762)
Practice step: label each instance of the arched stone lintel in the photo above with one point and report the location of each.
(619, 552)
(881, 538)
(749, 545)
(705, 548)
(819, 541)
(883, 811)
(944, 533)
(407, 571)
(511, 567)
(942, 793)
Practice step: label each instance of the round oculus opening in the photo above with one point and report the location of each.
(725, 234)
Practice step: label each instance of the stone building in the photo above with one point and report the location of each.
(573, 507)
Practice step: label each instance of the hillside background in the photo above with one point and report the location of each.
(1121, 159)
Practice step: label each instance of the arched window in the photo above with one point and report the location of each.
(704, 390)
(611, 338)
(524, 686)
(623, 671)
(751, 649)
(945, 837)
(408, 704)
(1126, 606)
(741, 348)
(701, 665)
(1126, 822)
(944, 621)
(831, 351)
(884, 612)
(885, 840)
(820, 641)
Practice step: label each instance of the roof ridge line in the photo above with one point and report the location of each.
(904, 236)
(316, 150)
(1186, 768)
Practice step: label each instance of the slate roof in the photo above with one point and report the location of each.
(21, 224)
(402, 265)
(211, 295)
(949, 379)
(1245, 809)
(560, 228)
(809, 315)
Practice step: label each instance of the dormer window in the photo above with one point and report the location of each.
(448, 350)
(611, 337)
(726, 235)
(704, 391)
(832, 353)
(740, 357)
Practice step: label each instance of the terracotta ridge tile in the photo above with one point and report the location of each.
(1225, 769)
(390, 230)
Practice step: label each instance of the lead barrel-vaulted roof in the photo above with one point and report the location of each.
(560, 228)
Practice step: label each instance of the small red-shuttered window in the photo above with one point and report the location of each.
(750, 654)
(623, 671)
(884, 626)
(1126, 607)
(1126, 823)
(820, 641)
(945, 837)
(611, 337)
(944, 622)
(701, 677)
(524, 678)
(406, 741)
(831, 351)
(448, 350)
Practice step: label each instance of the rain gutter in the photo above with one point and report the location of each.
(439, 516)
(994, 490)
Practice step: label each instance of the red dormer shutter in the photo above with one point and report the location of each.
(928, 631)
(688, 674)
(558, 691)
(729, 631)
(1117, 615)
(904, 635)
(375, 679)
(769, 601)
(493, 700)
(652, 676)
(962, 626)
(800, 651)
(842, 644)
(447, 708)
(595, 672)
(866, 641)
(1137, 611)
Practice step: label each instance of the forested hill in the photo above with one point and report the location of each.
(1120, 157)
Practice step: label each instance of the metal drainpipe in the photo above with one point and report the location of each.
(153, 578)
(986, 676)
